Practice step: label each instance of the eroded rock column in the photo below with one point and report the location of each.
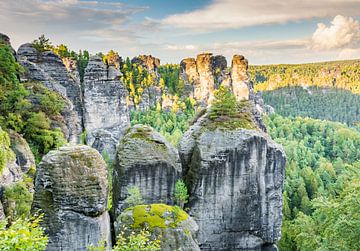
(71, 190)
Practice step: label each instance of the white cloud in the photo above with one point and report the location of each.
(231, 14)
(188, 47)
(343, 32)
(349, 54)
(69, 21)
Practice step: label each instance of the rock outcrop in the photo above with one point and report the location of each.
(24, 157)
(205, 74)
(177, 230)
(71, 190)
(47, 68)
(146, 160)
(106, 114)
(147, 61)
(235, 177)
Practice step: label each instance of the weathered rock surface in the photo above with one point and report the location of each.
(24, 157)
(177, 229)
(147, 61)
(205, 74)
(106, 114)
(235, 179)
(71, 190)
(47, 68)
(146, 160)
(2, 214)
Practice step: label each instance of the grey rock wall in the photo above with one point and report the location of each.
(235, 179)
(71, 190)
(106, 113)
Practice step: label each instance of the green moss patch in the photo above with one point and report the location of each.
(157, 216)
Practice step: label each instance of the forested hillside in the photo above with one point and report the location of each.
(322, 188)
(315, 102)
(335, 74)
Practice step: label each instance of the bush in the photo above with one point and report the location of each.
(181, 193)
(23, 234)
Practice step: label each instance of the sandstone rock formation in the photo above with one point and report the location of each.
(71, 190)
(205, 74)
(176, 228)
(2, 214)
(147, 61)
(47, 68)
(106, 113)
(235, 177)
(146, 160)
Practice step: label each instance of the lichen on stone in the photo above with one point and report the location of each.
(157, 216)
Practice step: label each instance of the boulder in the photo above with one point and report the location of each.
(235, 178)
(46, 67)
(146, 160)
(71, 190)
(177, 230)
(106, 113)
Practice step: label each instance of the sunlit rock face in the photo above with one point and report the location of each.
(203, 75)
(106, 113)
(71, 190)
(240, 77)
(235, 179)
(147, 61)
(145, 159)
(46, 67)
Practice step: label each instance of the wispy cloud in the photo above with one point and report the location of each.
(231, 14)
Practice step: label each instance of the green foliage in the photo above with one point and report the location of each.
(336, 74)
(170, 79)
(316, 102)
(226, 112)
(322, 163)
(134, 198)
(169, 124)
(18, 199)
(135, 241)
(42, 44)
(23, 234)
(6, 154)
(181, 193)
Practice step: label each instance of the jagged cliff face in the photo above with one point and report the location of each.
(71, 190)
(47, 68)
(205, 74)
(235, 179)
(105, 110)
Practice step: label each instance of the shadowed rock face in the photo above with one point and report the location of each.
(146, 160)
(71, 190)
(106, 113)
(47, 68)
(235, 179)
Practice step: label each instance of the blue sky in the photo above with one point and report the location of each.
(266, 32)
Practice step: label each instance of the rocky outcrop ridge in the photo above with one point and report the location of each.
(106, 113)
(205, 74)
(47, 68)
(235, 177)
(71, 190)
(146, 160)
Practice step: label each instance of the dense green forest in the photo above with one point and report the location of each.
(316, 102)
(335, 74)
(322, 187)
